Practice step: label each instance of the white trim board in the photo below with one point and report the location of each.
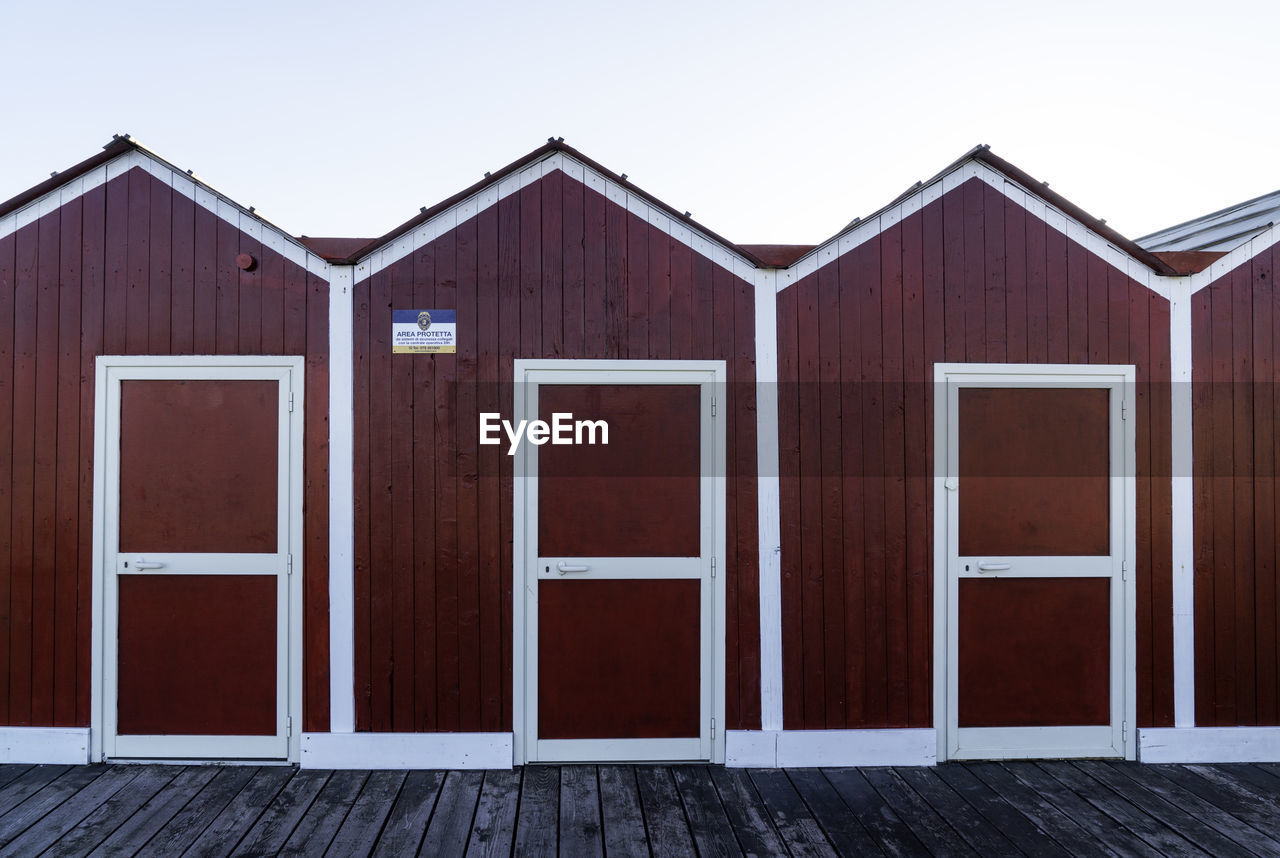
(1209, 745)
(723, 255)
(204, 196)
(342, 582)
(808, 748)
(1055, 218)
(768, 500)
(64, 746)
(406, 751)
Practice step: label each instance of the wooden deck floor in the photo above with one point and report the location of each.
(987, 809)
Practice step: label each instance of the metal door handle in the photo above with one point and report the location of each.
(984, 566)
(146, 564)
(563, 567)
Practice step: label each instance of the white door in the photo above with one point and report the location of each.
(1035, 522)
(201, 518)
(620, 608)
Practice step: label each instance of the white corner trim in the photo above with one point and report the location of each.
(757, 749)
(723, 255)
(1183, 499)
(768, 501)
(66, 746)
(203, 195)
(342, 704)
(406, 750)
(1209, 745)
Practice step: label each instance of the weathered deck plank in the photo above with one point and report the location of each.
(1034, 808)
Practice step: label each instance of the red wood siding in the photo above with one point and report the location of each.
(553, 271)
(131, 267)
(1234, 420)
(971, 277)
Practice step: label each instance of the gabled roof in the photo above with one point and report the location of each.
(553, 145)
(1220, 231)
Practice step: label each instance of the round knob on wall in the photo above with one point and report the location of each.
(246, 262)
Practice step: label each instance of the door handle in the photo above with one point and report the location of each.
(985, 566)
(145, 564)
(563, 567)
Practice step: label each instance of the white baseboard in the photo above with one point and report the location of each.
(58, 745)
(406, 751)
(807, 748)
(1209, 745)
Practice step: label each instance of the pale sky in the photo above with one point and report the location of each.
(770, 122)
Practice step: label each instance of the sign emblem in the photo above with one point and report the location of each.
(424, 320)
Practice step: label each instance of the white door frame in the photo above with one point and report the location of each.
(1118, 739)
(711, 376)
(111, 370)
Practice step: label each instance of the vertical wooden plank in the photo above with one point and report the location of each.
(249, 320)
(789, 522)
(617, 275)
(1037, 280)
(204, 299)
(270, 284)
(467, 433)
(933, 346)
(404, 652)
(531, 270)
(160, 276)
(895, 504)
(681, 301)
(722, 348)
(993, 205)
(811, 503)
(829, 552)
(573, 224)
(637, 288)
(1015, 273)
(22, 547)
(1242, 486)
(425, 704)
(1078, 261)
(489, 511)
(553, 264)
(228, 288)
(746, 575)
(381, 521)
(44, 512)
(182, 234)
(853, 279)
(508, 348)
(315, 622)
(137, 310)
(975, 274)
(67, 547)
(1058, 334)
(1264, 463)
(362, 505)
(1117, 348)
(1203, 513)
(953, 273)
(92, 280)
(1224, 512)
(116, 248)
(8, 571)
(659, 294)
(915, 375)
(871, 341)
(1099, 328)
(448, 691)
(595, 295)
